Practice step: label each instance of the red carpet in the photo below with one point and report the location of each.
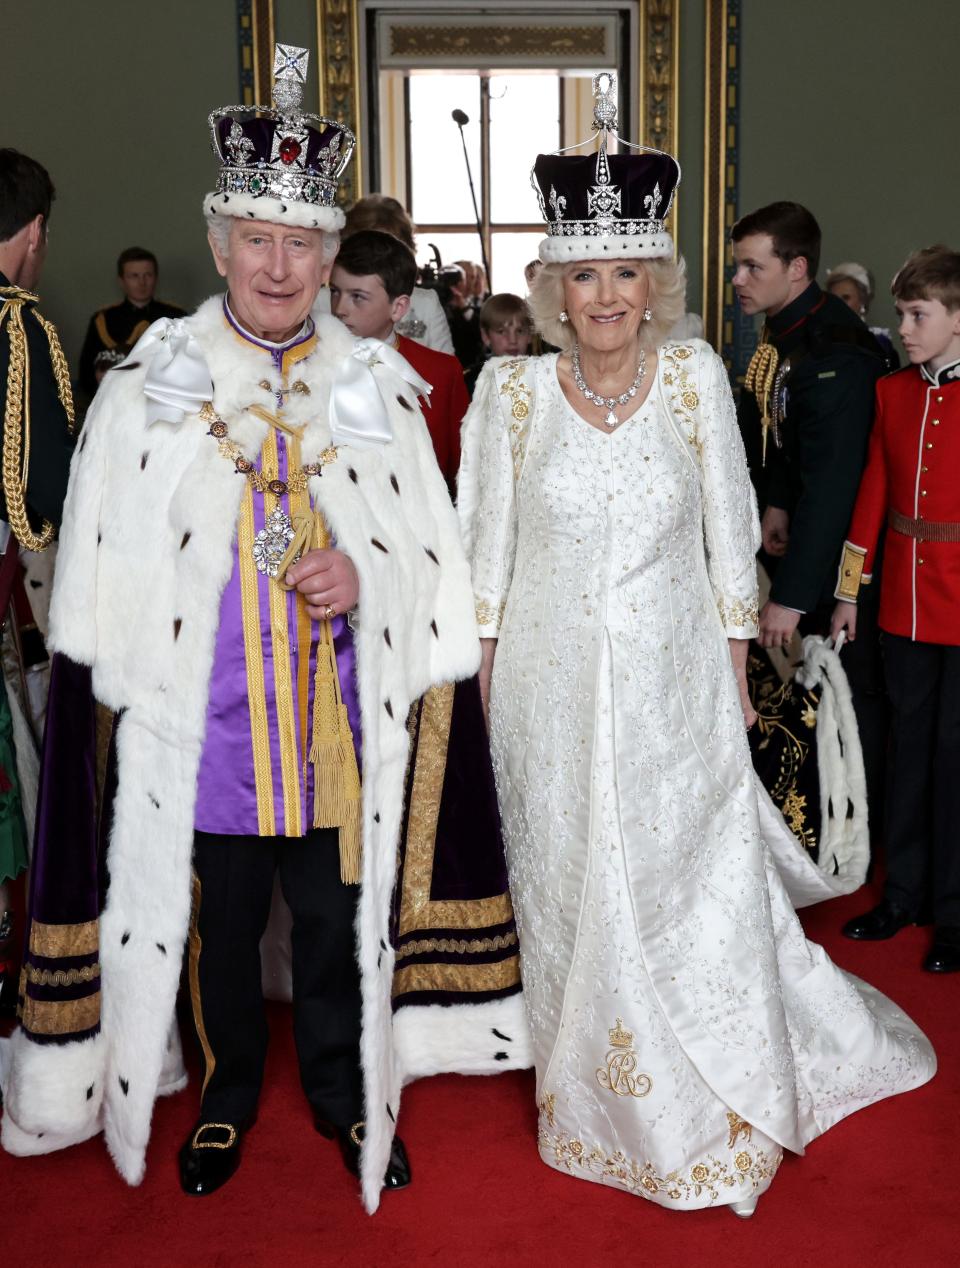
(880, 1189)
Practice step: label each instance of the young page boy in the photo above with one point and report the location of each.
(370, 287)
(910, 484)
(505, 331)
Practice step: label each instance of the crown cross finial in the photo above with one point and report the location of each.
(605, 106)
(289, 76)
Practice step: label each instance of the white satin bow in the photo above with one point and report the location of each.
(178, 381)
(358, 412)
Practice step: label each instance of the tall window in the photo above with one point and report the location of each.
(513, 116)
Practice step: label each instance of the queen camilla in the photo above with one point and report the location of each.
(685, 1032)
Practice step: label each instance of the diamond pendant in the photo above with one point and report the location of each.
(270, 544)
(610, 420)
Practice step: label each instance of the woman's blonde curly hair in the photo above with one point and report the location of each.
(668, 288)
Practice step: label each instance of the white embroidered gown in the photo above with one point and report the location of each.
(685, 1032)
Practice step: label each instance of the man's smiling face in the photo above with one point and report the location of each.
(274, 274)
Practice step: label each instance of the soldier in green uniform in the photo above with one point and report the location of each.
(805, 414)
(36, 416)
(120, 325)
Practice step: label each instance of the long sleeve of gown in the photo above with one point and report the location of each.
(487, 502)
(731, 526)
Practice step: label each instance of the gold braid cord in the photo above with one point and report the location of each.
(759, 379)
(16, 415)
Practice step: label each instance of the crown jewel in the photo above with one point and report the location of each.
(620, 1037)
(280, 152)
(605, 203)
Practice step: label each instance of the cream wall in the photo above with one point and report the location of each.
(112, 97)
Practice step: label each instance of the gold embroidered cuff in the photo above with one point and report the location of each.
(740, 616)
(489, 614)
(851, 575)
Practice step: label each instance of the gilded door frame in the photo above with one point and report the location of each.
(255, 38)
(724, 325)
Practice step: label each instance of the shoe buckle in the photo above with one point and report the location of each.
(197, 1143)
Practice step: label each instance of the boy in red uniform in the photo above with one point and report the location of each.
(370, 287)
(910, 484)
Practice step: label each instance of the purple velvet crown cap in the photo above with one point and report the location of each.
(315, 155)
(645, 184)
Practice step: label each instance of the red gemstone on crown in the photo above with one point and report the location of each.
(289, 150)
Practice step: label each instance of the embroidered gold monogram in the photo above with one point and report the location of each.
(618, 1076)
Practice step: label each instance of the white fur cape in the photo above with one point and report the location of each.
(145, 552)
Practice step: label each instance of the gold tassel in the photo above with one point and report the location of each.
(759, 379)
(336, 776)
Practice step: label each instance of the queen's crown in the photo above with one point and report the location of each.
(279, 151)
(620, 1037)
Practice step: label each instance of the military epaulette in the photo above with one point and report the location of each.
(16, 412)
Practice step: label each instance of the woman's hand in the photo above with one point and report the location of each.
(739, 647)
(488, 649)
(844, 619)
(326, 579)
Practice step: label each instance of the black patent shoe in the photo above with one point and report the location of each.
(350, 1139)
(944, 955)
(209, 1157)
(879, 924)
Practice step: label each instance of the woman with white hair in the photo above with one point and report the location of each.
(684, 1030)
(854, 284)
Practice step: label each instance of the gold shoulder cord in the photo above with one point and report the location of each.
(759, 379)
(16, 415)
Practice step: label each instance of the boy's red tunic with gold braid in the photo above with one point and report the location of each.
(910, 485)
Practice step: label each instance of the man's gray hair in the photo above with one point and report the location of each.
(218, 228)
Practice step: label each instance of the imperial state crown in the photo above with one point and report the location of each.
(279, 163)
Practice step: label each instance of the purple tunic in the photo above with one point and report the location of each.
(227, 796)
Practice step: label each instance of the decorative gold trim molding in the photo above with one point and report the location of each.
(419, 41)
(725, 326)
(338, 70)
(263, 41)
(660, 81)
(714, 162)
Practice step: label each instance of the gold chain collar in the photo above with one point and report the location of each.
(262, 481)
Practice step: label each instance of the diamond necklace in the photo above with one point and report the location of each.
(607, 402)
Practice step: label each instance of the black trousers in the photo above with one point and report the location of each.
(233, 888)
(923, 779)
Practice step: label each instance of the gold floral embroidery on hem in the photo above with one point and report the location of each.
(489, 613)
(738, 613)
(713, 1177)
(618, 1076)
